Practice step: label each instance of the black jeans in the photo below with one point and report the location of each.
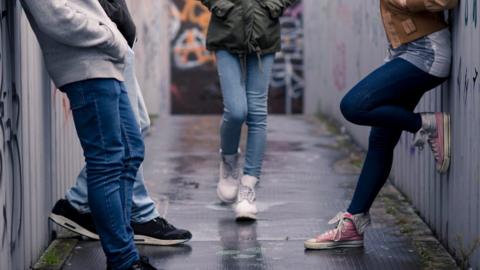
(384, 100)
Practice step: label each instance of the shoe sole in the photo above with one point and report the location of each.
(446, 144)
(219, 194)
(334, 245)
(146, 240)
(72, 226)
(246, 217)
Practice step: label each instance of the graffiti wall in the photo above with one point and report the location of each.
(39, 152)
(345, 41)
(194, 82)
(10, 159)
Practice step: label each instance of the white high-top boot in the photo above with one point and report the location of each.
(245, 208)
(227, 187)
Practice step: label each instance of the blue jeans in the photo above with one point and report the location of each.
(114, 150)
(385, 100)
(245, 96)
(143, 207)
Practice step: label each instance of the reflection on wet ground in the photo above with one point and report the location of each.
(299, 192)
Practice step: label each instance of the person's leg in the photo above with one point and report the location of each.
(258, 79)
(149, 228)
(77, 195)
(377, 100)
(232, 83)
(143, 207)
(133, 155)
(234, 101)
(104, 123)
(376, 169)
(383, 100)
(372, 102)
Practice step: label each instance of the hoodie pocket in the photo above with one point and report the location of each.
(117, 47)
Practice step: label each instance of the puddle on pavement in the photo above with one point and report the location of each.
(262, 206)
(285, 146)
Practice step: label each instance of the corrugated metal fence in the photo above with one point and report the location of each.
(344, 42)
(40, 155)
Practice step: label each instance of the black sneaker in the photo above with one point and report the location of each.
(65, 215)
(160, 233)
(142, 264)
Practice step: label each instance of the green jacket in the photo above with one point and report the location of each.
(245, 26)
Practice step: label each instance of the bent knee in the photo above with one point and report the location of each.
(236, 116)
(352, 109)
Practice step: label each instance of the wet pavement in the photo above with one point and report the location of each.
(308, 177)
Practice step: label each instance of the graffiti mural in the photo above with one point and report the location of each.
(195, 88)
(287, 74)
(194, 83)
(10, 160)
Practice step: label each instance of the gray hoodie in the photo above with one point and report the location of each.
(78, 40)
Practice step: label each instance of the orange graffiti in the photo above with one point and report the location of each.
(190, 50)
(194, 12)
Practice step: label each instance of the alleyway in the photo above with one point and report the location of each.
(305, 183)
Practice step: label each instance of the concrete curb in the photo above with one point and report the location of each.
(56, 255)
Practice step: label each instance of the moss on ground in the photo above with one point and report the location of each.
(56, 254)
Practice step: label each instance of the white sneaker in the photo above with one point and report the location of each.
(245, 208)
(227, 187)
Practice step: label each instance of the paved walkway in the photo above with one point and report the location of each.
(309, 176)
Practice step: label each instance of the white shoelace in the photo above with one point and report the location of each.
(246, 193)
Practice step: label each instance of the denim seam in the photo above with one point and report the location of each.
(102, 139)
(127, 144)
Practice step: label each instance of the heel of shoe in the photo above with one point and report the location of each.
(72, 226)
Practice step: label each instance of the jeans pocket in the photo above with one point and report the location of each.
(84, 93)
(77, 98)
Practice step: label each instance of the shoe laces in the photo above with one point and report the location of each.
(246, 193)
(434, 145)
(164, 223)
(421, 137)
(340, 228)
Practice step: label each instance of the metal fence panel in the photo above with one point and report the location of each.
(344, 42)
